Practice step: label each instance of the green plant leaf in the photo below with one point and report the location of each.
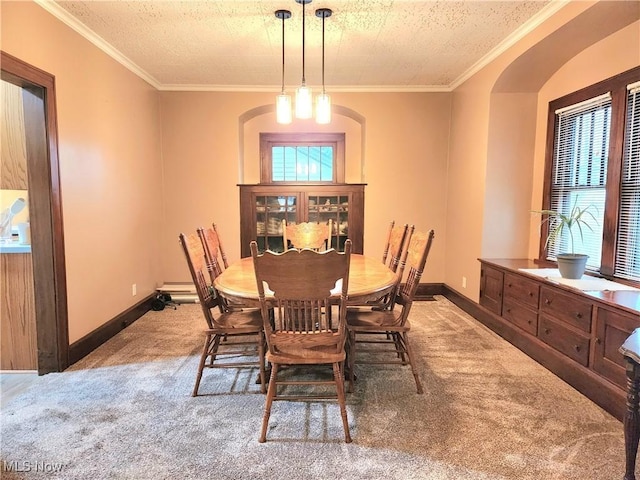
(577, 217)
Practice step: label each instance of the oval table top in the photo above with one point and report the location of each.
(369, 279)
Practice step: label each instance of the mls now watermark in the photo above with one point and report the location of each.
(27, 466)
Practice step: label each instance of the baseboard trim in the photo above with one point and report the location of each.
(81, 348)
(426, 291)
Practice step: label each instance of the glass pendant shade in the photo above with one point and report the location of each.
(283, 108)
(304, 102)
(323, 108)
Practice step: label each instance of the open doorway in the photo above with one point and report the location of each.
(37, 90)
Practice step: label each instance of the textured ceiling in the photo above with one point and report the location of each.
(237, 44)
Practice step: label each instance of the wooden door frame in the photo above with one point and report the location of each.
(45, 205)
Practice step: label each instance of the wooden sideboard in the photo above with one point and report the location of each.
(575, 334)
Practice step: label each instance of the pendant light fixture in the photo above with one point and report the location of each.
(283, 101)
(304, 100)
(323, 101)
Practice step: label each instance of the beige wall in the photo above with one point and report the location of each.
(109, 152)
(496, 143)
(399, 150)
(139, 166)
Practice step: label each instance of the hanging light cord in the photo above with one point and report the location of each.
(283, 18)
(303, 29)
(323, 17)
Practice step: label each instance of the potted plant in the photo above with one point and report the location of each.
(571, 265)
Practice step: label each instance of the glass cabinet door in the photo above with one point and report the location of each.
(271, 210)
(322, 208)
(263, 207)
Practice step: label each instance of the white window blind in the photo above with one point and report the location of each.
(295, 163)
(580, 174)
(627, 263)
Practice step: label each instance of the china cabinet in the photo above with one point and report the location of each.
(263, 207)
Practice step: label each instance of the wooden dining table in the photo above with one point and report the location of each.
(369, 279)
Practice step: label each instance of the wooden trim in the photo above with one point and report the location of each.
(614, 177)
(426, 291)
(81, 348)
(45, 205)
(617, 86)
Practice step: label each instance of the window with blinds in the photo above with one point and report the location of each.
(580, 174)
(593, 161)
(302, 163)
(302, 158)
(628, 245)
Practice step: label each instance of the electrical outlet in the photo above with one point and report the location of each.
(134, 290)
(464, 282)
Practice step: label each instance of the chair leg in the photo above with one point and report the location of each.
(400, 349)
(213, 348)
(351, 358)
(263, 374)
(271, 393)
(412, 362)
(203, 358)
(338, 375)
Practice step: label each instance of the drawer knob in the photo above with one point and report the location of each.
(509, 285)
(547, 301)
(577, 348)
(598, 341)
(547, 331)
(531, 294)
(529, 322)
(578, 315)
(508, 310)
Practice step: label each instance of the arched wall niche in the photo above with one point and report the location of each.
(531, 70)
(262, 119)
(515, 149)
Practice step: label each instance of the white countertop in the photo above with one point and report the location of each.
(14, 247)
(586, 283)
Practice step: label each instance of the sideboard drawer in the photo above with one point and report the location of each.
(520, 315)
(567, 308)
(574, 345)
(524, 290)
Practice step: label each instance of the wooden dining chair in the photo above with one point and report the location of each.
(386, 332)
(396, 238)
(216, 260)
(212, 250)
(230, 333)
(303, 285)
(316, 236)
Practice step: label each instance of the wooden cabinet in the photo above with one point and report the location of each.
(573, 333)
(263, 207)
(569, 308)
(18, 315)
(491, 280)
(521, 302)
(611, 330)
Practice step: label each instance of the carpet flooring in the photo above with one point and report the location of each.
(489, 412)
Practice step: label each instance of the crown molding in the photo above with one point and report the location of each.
(62, 15)
(518, 34)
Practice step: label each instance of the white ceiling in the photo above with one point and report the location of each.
(381, 45)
